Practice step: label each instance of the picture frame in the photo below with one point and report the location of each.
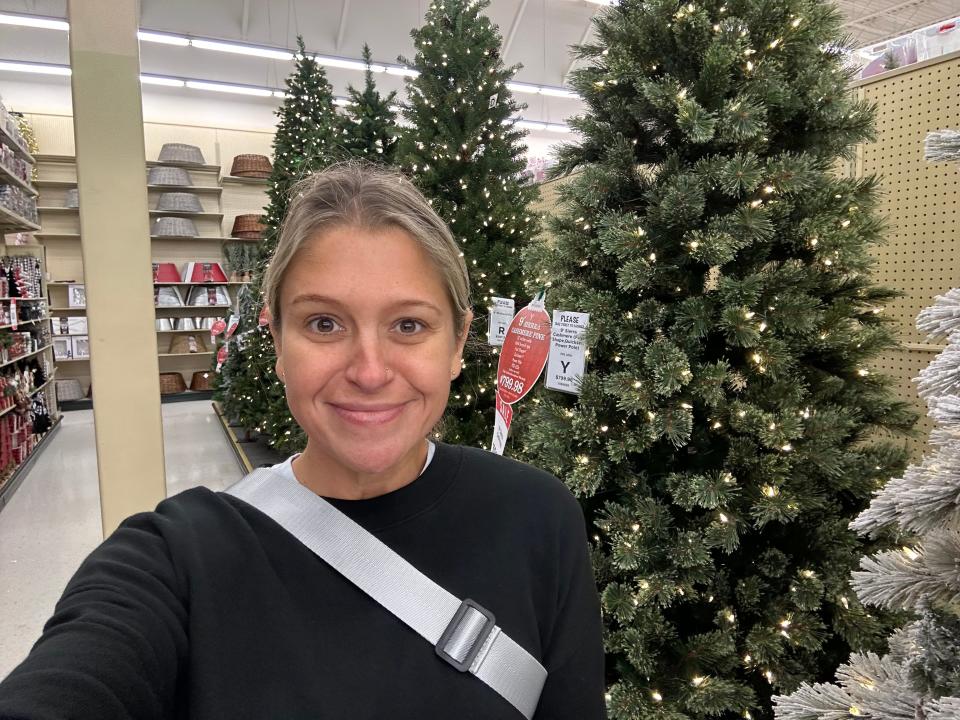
(77, 296)
(62, 348)
(81, 347)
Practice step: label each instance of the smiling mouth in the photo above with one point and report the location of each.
(378, 415)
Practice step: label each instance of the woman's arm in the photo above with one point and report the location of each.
(574, 660)
(112, 649)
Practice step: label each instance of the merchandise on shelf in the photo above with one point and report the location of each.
(204, 272)
(14, 164)
(20, 277)
(9, 125)
(252, 166)
(181, 153)
(209, 296)
(18, 202)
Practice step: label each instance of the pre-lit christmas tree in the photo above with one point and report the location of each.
(307, 139)
(920, 677)
(724, 434)
(468, 163)
(370, 123)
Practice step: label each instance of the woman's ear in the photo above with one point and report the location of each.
(455, 363)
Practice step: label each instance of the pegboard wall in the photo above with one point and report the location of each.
(921, 257)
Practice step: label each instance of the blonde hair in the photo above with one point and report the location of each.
(361, 194)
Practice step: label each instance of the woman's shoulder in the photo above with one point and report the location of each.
(503, 477)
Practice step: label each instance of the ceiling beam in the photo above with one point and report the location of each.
(583, 39)
(245, 19)
(513, 29)
(344, 12)
(889, 11)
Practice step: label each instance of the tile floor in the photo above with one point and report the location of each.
(53, 520)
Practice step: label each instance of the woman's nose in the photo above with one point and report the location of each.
(368, 367)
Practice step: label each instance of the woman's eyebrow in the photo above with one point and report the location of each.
(411, 302)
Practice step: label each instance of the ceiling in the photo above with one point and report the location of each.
(537, 34)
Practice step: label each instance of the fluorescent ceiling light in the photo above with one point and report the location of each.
(224, 88)
(34, 68)
(163, 38)
(242, 49)
(523, 88)
(530, 125)
(157, 80)
(558, 92)
(558, 128)
(348, 64)
(405, 71)
(601, 2)
(34, 21)
(342, 102)
(279, 94)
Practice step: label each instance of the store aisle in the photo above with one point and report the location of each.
(53, 520)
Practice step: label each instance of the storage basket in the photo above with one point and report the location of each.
(165, 273)
(166, 324)
(187, 324)
(72, 198)
(167, 296)
(186, 344)
(174, 227)
(181, 153)
(179, 202)
(248, 226)
(68, 390)
(171, 383)
(253, 166)
(168, 176)
(208, 295)
(201, 380)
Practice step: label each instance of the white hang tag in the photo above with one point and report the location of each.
(567, 351)
(501, 426)
(501, 313)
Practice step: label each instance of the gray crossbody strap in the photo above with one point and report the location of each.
(463, 633)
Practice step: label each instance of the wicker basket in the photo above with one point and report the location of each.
(202, 380)
(72, 198)
(68, 390)
(187, 344)
(248, 226)
(174, 227)
(171, 383)
(181, 153)
(179, 202)
(168, 176)
(252, 166)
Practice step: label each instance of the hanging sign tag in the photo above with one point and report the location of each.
(232, 324)
(523, 356)
(501, 313)
(13, 314)
(501, 426)
(568, 351)
(221, 356)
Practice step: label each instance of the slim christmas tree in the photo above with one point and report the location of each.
(370, 124)
(307, 139)
(466, 157)
(723, 436)
(920, 677)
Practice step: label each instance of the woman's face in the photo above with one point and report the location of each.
(367, 346)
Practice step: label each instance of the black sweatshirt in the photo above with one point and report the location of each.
(206, 608)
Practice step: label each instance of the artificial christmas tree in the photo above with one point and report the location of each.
(370, 124)
(920, 677)
(307, 139)
(723, 436)
(466, 156)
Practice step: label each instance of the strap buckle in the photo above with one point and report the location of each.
(466, 635)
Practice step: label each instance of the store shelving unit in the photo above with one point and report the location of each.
(220, 201)
(12, 476)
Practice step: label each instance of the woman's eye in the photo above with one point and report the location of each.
(409, 326)
(324, 325)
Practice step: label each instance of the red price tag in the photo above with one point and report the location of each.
(232, 326)
(218, 327)
(221, 356)
(524, 352)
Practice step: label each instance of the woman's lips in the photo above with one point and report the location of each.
(368, 415)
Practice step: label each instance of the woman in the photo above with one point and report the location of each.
(208, 608)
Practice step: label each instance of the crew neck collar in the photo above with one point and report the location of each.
(404, 503)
